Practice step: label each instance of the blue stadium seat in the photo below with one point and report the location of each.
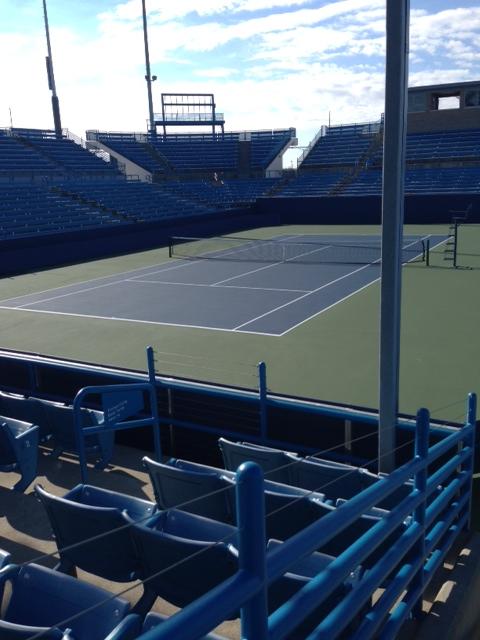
(274, 463)
(289, 509)
(175, 486)
(336, 480)
(61, 420)
(86, 512)
(213, 560)
(169, 539)
(40, 600)
(19, 450)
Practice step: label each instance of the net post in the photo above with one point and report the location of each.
(262, 395)
(455, 244)
(170, 247)
(427, 252)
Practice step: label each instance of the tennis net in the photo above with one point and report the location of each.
(311, 251)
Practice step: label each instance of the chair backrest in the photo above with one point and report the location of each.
(27, 409)
(42, 598)
(174, 486)
(335, 482)
(170, 576)
(110, 556)
(60, 418)
(275, 463)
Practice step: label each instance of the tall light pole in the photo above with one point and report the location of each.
(149, 78)
(51, 78)
(394, 142)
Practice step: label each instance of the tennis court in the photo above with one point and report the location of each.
(264, 287)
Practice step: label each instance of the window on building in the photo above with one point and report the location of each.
(472, 98)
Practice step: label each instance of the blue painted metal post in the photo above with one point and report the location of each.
(396, 93)
(471, 419)
(153, 403)
(80, 441)
(262, 393)
(421, 451)
(252, 549)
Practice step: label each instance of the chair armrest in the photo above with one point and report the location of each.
(128, 629)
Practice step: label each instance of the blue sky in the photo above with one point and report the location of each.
(270, 63)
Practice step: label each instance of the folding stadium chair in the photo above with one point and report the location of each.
(19, 450)
(88, 512)
(185, 488)
(275, 463)
(38, 600)
(289, 509)
(198, 488)
(337, 480)
(164, 550)
(61, 420)
(26, 409)
(172, 537)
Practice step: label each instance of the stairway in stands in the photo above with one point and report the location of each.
(361, 165)
(159, 157)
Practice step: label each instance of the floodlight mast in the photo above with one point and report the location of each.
(394, 142)
(148, 77)
(51, 78)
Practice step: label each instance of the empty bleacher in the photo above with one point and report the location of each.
(35, 153)
(437, 162)
(193, 153)
(34, 209)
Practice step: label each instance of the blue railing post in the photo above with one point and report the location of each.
(421, 451)
(262, 393)
(153, 403)
(79, 439)
(252, 550)
(471, 420)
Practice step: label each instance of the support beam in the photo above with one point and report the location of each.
(51, 78)
(148, 77)
(396, 93)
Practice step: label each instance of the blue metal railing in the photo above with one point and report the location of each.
(428, 521)
(125, 392)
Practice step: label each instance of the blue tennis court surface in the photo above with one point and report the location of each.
(234, 292)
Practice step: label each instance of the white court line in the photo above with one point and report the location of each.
(274, 264)
(282, 306)
(347, 296)
(236, 329)
(114, 275)
(346, 275)
(212, 286)
(153, 322)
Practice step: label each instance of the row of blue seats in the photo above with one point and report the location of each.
(223, 194)
(27, 421)
(62, 152)
(196, 152)
(417, 180)
(34, 209)
(137, 200)
(345, 146)
(56, 606)
(178, 556)
(51, 158)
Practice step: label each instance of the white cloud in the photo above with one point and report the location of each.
(219, 72)
(289, 67)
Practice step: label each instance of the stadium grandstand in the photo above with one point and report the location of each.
(231, 483)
